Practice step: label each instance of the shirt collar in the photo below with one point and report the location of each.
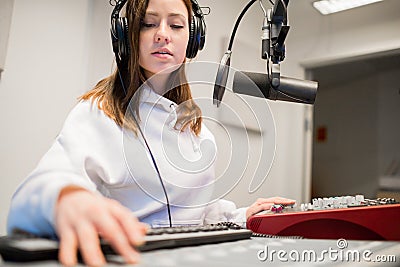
(149, 96)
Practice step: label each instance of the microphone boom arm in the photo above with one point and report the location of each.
(275, 30)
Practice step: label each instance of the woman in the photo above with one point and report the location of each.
(83, 188)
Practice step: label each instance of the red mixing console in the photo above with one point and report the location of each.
(346, 217)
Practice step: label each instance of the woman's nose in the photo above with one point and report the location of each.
(162, 34)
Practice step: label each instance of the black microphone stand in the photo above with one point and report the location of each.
(274, 32)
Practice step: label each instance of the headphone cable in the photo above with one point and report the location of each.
(150, 152)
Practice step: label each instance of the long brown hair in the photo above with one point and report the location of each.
(110, 95)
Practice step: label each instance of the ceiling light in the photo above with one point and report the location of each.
(331, 6)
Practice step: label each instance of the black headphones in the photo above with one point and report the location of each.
(120, 34)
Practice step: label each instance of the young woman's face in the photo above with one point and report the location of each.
(164, 36)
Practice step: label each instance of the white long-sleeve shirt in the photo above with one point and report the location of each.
(93, 152)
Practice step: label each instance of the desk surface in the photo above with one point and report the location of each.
(266, 251)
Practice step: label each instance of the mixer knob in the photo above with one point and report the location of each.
(325, 202)
(302, 207)
(359, 199)
(315, 203)
(350, 200)
(336, 203)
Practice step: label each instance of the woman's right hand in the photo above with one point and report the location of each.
(81, 216)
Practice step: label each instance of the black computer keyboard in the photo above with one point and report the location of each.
(23, 248)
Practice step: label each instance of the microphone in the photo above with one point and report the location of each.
(224, 66)
(289, 89)
(222, 77)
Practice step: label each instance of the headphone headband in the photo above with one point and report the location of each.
(117, 9)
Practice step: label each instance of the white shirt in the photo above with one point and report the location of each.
(93, 152)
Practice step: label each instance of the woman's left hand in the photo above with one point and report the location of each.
(266, 204)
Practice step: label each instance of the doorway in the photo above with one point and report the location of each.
(356, 129)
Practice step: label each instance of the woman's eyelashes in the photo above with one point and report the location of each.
(148, 25)
(153, 25)
(177, 26)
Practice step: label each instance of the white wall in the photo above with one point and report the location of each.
(286, 177)
(347, 162)
(388, 123)
(45, 70)
(319, 40)
(360, 110)
(6, 7)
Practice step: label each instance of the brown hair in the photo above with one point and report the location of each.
(109, 93)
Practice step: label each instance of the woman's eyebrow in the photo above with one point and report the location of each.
(155, 14)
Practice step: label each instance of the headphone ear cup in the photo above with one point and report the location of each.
(197, 31)
(119, 37)
(202, 34)
(123, 33)
(192, 46)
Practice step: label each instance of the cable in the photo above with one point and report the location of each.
(237, 23)
(285, 13)
(150, 152)
(263, 9)
(242, 14)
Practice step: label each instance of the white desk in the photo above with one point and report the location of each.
(245, 253)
